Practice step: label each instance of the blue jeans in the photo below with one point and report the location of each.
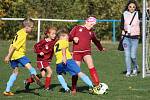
(130, 49)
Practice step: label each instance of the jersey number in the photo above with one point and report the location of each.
(15, 39)
(57, 47)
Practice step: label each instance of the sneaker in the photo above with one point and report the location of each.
(8, 93)
(134, 73)
(128, 74)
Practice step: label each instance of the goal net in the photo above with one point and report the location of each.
(146, 39)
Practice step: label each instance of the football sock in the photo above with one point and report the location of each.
(62, 82)
(11, 82)
(94, 76)
(86, 80)
(74, 81)
(32, 71)
(47, 82)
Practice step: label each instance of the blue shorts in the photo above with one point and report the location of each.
(70, 67)
(21, 62)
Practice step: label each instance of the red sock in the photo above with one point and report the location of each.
(47, 82)
(30, 80)
(94, 76)
(74, 82)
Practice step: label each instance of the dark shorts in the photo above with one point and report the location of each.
(21, 62)
(70, 67)
(78, 56)
(42, 64)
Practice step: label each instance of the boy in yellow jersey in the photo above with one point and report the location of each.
(16, 55)
(65, 63)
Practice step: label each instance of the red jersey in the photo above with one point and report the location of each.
(46, 47)
(85, 36)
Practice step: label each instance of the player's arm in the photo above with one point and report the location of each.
(10, 53)
(38, 48)
(64, 59)
(97, 42)
(72, 36)
(19, 41)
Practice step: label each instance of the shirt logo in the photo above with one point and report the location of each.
(46, 46)
(90, 33)
(80, 30)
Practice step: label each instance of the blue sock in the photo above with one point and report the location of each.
(86, 80)
(11, 82)
(32, 71)
(62, 82)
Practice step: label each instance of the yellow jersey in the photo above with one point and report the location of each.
(19, 42)
(59, 45)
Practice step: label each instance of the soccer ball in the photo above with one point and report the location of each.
(103, 88)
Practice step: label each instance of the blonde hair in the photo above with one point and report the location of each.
(27, 22)
(62, 32)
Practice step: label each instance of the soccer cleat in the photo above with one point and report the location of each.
(8, 93)
(68, 91)
(37, 80)
(90, 90)
(27, 84)
(95, 90)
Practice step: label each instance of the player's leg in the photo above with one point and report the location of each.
(48, 78)
(94, 75)
(74, 69)
(26, 63)
(30, 80)
(60, 70)
(12, 79)
(78, 59)
(33, 74)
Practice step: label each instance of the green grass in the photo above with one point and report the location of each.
(109, 65)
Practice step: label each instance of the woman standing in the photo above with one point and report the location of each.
(130, 26)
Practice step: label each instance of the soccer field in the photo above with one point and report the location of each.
(109, 65)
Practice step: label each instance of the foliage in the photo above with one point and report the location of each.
(60, 9)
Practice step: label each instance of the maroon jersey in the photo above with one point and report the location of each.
(46, 47)
(85, 36)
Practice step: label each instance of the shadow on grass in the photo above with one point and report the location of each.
(124, 72)
(82, 89)
(35, 90)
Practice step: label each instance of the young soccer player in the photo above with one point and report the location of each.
(44, 51)
(82, 35)
(65, 63)
(16, 55)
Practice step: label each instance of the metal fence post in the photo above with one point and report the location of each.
(114, 31)
(39, 24)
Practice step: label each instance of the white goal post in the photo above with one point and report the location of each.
(145, 41)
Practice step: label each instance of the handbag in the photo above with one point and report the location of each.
(120, 46)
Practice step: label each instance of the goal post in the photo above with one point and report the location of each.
(145, 41)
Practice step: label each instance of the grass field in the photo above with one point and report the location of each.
(109, 65)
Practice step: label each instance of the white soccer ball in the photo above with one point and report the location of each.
(103, 88)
